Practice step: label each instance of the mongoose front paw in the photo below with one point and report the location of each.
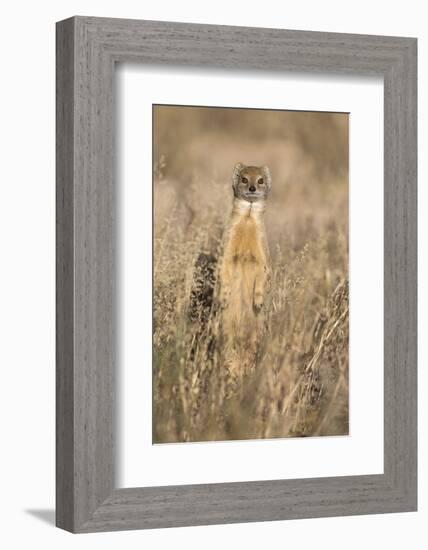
(258, 304)
(224, 302)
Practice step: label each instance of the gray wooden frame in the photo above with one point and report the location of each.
(87, 50)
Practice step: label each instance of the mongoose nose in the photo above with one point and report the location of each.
(252, 189)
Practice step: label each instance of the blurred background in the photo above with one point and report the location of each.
(196, 149)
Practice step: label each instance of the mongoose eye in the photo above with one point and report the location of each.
(260, 181)
(244, 180)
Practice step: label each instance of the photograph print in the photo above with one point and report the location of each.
(250, 274)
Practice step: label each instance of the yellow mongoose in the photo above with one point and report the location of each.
(245, 271)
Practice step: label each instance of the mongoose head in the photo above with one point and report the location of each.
(251, 183)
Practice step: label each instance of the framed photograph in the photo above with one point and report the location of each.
(236, 274)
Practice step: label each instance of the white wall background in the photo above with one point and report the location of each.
(27, 272)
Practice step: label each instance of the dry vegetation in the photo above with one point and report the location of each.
(299, 384)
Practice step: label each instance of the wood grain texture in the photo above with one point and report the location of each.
(87, 49)
(64, 276)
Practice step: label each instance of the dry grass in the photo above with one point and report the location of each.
(299, 384)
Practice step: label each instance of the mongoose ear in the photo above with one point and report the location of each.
(238, 167)
(236, 173)
(268, 177)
